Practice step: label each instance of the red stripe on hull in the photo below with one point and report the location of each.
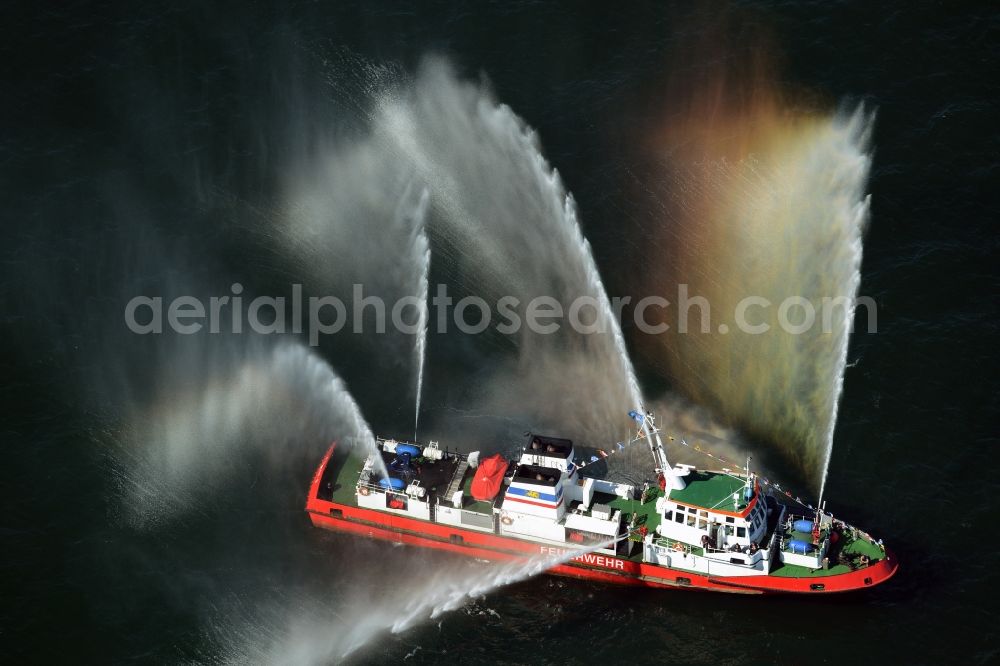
(511, 498)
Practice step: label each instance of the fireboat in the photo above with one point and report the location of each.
(691, 528)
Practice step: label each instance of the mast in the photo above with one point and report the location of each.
(648, 423)
(748, 490)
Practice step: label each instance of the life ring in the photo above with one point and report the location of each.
(506, 520)
(364, 490)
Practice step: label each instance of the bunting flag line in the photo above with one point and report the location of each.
(621, 446)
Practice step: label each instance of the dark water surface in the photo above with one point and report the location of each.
(135, 137)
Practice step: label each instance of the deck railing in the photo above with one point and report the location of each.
(785, 528)
(720, 564)
(672, 544)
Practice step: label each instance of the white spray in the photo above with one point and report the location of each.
(422, 257)
(505, 216)
(310, 638)
(182, 443)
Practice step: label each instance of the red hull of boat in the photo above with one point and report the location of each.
(604, 568)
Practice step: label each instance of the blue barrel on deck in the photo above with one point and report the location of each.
(407, 448)
(800, 525)
(395, 484)
(800, 547)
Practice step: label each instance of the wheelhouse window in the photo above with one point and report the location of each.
(679, 517)
(730, 519)
(691, 520)
(668, 515)
(741, 532)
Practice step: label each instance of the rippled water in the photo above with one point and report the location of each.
(141, 146)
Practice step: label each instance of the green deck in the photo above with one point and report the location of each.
(711, 490)
(647, 512)
(468, 502)
(852, 548)
(796, 571)
(347, 467)
(862, 547)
